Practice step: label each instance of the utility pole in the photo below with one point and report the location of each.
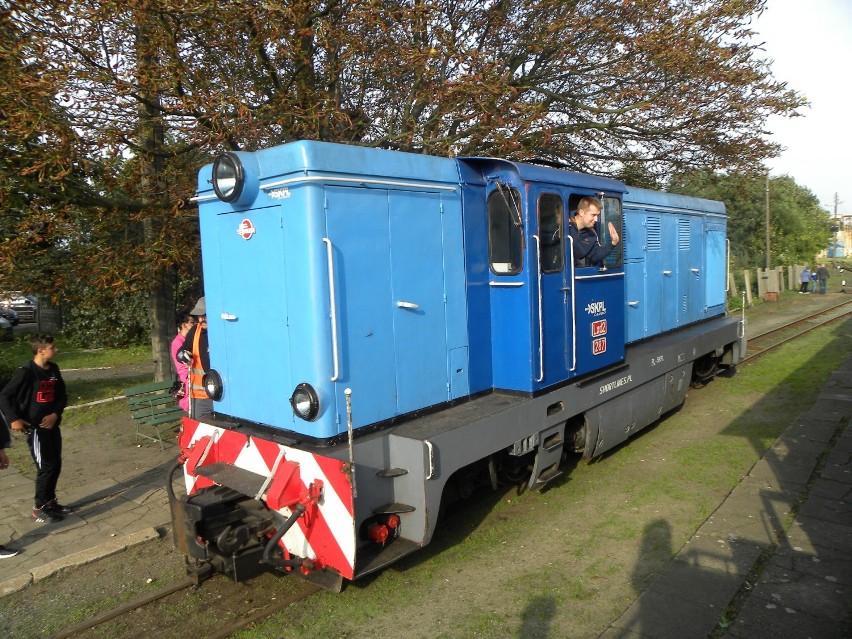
(838, 234)
(767, 221)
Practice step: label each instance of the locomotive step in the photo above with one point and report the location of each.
(393, 509)
(372, 558)
(549, 474)
(230, 476)
(392, 472)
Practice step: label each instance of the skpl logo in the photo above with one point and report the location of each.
(279, 194)
(246, 229)
(596, 308)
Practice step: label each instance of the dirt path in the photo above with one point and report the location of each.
(111, 372)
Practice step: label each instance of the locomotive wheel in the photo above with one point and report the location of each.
(705, 367)
(514, 470)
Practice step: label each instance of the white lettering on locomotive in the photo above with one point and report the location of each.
(596, 308)
(621, 381)
(279, 194)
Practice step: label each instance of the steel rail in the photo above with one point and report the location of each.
(801, 319)
(789, 325)
(270, 610)
(123, 609)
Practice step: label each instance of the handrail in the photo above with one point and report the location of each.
(727, 265)
(332, 299)
(573, 307)
(540, 312)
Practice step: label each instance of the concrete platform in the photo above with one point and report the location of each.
(789, 584)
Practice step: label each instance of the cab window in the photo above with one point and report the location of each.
(550, 233)
(505, 232)
(612, 213)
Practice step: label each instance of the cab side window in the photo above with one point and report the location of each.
(505, 232)
(612, 213)
(551, 233)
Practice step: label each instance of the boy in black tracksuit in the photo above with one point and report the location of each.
(32, 402)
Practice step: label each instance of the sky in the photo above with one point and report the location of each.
(810, 42)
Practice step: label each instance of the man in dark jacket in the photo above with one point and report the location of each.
(585, 242)
(822, 278)
(33, 402)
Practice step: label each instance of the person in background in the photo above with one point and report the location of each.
(33, 402)
(822, 278)
(196, 350)
(5, 442)
(184, 323)
(805, 279)
(813, 281)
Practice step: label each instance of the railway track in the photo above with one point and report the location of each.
(107, 615)
(275, 602)
(766, 341)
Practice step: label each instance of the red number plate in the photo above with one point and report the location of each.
(599, 346)
(599, 328)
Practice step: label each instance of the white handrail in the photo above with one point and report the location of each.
(727, 265)
(573, 309)
(540, 312)
(332, 297)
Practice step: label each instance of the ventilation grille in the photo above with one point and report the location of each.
(683, 235)
(655, 235)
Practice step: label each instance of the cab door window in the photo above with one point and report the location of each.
(551, 233)
(505, 231)
(612, 213)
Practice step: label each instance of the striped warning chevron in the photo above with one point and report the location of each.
(327, 533)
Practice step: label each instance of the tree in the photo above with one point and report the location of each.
(799, 226)
(111, 107)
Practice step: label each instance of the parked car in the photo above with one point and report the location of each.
(9, 314)
(25, 306)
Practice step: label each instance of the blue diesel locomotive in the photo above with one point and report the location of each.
(384, 326)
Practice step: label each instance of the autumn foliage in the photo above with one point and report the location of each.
(110, 107)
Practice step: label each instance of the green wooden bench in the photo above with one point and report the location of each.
(153, 410)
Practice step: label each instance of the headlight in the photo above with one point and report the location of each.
(305, 402)
(212, 382)
(228, 177)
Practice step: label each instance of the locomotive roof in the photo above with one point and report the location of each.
(305, 157)
(541, 174)
(659, 199)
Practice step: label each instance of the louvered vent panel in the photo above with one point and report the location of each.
(683, 235)
(655, 234)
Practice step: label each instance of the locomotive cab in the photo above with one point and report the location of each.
(552, 317)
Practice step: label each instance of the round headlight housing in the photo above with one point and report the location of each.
(305, 402)
(212, 382)
(229, 177)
